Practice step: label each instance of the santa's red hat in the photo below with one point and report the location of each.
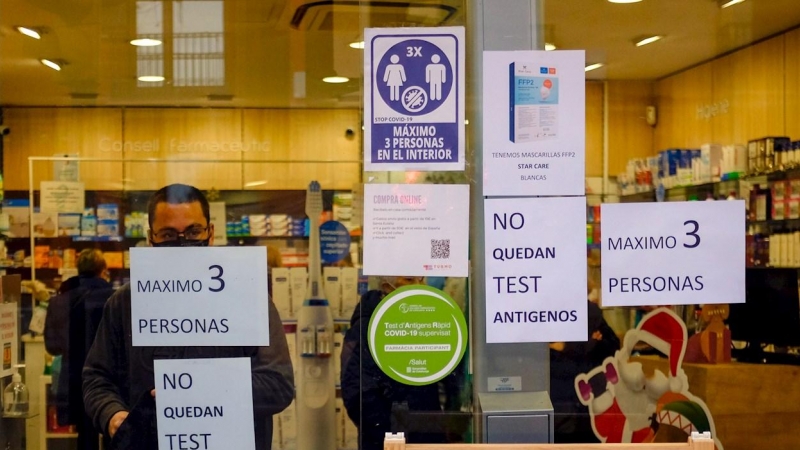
(665, 331)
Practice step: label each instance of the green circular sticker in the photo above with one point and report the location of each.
(417, 335)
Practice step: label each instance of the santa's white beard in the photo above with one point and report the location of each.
(637, 395)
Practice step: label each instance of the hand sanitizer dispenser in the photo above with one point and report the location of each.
(16, 396)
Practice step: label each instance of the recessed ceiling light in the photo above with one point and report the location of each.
(647, 40)
(145, 42)
(548, 47)
(151, 78)
(51, 64)
(727, 3)
(624, 1)
(357, 44)
(336, 79)
(591, 67)
(30, 32)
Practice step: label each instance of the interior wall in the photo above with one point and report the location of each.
(261, 149)
(745, 95)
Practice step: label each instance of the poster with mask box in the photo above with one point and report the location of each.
(534, 129)
(199, 296)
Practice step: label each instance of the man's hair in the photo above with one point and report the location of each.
(175, 194)
(91, 262)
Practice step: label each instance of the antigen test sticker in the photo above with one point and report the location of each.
(533, 102)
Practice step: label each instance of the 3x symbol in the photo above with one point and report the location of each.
(413, 51)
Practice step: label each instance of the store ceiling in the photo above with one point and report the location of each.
(276, 52)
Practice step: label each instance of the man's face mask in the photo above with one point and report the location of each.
(182, 242)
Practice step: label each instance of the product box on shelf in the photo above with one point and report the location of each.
(114, 260)
(281, 291)
(89, 223)
(45, 224)
(69, 224)
(41, 256)
(333, 288)
(107, 211)
(107, 228)
(350, 295)
(18, 217)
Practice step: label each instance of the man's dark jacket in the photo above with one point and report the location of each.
(119, 377)
(70, 328)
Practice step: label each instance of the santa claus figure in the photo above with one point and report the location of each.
(628, 406)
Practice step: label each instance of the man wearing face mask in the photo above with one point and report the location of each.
(118, 379)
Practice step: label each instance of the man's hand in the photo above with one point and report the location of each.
(116, 422)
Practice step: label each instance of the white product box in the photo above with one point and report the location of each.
(107, 211)
(45, 224)
(333, 289)
(349, 280)
(298, 277)
(69, 224)
(533, 102)
(711, 158)
(338, 342)
(107, 228)
(291, 344)
(281, 291)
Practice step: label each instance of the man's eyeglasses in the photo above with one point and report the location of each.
(193, 233)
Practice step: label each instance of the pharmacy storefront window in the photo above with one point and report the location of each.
(225, 223)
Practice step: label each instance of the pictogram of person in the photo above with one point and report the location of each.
(435, 76)
(394, 76)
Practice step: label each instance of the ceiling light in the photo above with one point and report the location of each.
(548, 47)
(30, 32)
(336, 79)
(51, 64)
(726, 3)
(145, 42)
(624, 1)
(357, 44)
(591, 67)
(151, 78)
(647, 40)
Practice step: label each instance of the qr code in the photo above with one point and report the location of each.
(440, 248)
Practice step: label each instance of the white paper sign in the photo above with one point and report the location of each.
(205, 296)
(534, 129)
(675, 253)
(416, 229)
(204, 404)
(8, 338)
(414, 99)
(62, 196)
(535, 270)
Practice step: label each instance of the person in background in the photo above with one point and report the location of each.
(373, 400)
(118, 379)
(571, 422)
(70, 327)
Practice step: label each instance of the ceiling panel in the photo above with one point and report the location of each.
(276, 52)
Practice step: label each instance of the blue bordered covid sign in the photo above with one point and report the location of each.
(414, 99)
